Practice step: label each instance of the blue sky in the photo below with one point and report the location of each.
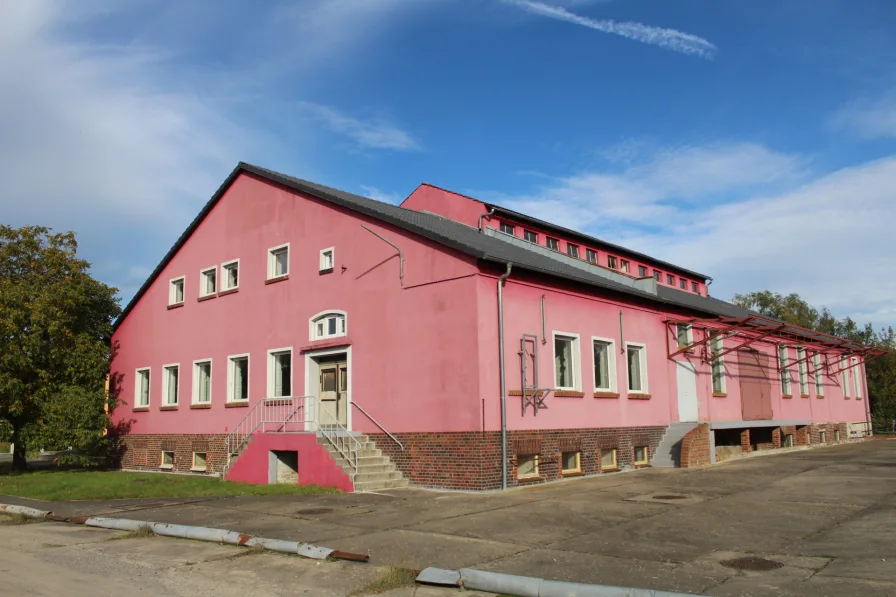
(754, 140)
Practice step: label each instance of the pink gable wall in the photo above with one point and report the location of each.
(414, 350)
(449, 204)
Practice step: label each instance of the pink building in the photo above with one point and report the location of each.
(298, 333)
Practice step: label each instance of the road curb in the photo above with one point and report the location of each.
(306, 550)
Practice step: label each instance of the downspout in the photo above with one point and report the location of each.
(501, 280)
(485, 215)
(708, 284)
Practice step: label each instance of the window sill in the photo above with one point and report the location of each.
(611, 469)
(169, 407)
(821, 397)
(565, 474)
(140, 409)
(530, 479)
(229, 291)
(847, 398)
(329, 270)
(167, 467)
(278, 401)
(568, 394)
(334, 342)
(206, 297)
(720, 394)
(641, 464)
(514, 392)
(175, 305)
(237, 404)
(199, 470)
(277, 279)
(201, 405)
(804, 395)
(634, 396)
(612, 395)
(787, 396)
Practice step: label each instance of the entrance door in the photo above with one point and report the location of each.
(755, 386)
(687, 392)
(333, 392)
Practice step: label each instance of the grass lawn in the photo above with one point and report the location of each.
(56, 485)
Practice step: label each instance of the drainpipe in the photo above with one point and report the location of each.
(501, 280)
(708, 284)
(485, 215)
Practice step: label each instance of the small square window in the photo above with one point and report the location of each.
(167, 460)
(656, 275)
(695, 287)
(208, 279)
(591, 255)
(530, 236)
(553, 244)
(623, 265)
(506, 228)
(608, 459)
(611, 262)
(570, 462)
(327, 259)
(200, 462)
(230, 271)
(642, 271)
(670, 279)
(641, 455)
(527, 466)
(278, 262)
(572, 250)
(176, 291)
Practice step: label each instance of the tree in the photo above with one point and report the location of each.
(880, 373)
(55, 326)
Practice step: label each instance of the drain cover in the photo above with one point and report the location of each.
(312, 511)
(669, 497)
(754, 564)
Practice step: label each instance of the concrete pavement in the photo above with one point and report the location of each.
(821, 518)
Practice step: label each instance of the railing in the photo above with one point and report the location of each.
(375, 422)
(287, 414)
(340, 438)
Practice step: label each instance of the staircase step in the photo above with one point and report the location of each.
(388, 476)
(380, 485)
(365, 453)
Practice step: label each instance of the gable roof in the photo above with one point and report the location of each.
(455, 235)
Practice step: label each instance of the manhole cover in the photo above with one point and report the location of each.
(669, 497)
(754, 564)
(312, 511)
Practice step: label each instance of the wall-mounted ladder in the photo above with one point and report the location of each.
(532, 395)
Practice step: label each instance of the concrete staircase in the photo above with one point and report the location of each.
(375, 471)
(668, 453)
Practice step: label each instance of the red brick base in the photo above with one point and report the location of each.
(144, 452)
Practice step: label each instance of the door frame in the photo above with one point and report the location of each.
(692, 371)
(312, 379)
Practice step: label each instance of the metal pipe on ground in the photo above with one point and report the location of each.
(23, 510)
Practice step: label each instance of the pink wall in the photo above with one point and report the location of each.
(449, 204)
(315, 465)
(414, 350)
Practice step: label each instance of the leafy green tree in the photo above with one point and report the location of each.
(55, 328)
(880, 373)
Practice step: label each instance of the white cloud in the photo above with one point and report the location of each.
(671, 39)
(827, 237)
(372, 133)
(379, 195)
(868, 118)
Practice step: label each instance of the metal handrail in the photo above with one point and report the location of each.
(279, 412)
(375, 422)
(342, 439)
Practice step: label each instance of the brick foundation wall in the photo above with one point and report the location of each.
(695, 447)
(472, 461)
(144, 452)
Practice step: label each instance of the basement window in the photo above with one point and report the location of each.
(670, 279)
(608, 459)
(230, 271)
(572, 250)
(571, 462)
(506, 228)
(611, 262)
(822, 436)
(836, 435)
(176, 291)
(527, 466)
(641, 455)
(530, 236)
(327, 260)
(208, 279)
(591, 256)
(552, 244)
(200, 462)
(167, 460)
(788, 440)
(642, 271)
(278, 261)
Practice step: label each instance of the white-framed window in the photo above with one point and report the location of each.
(280, 373)
(329, 324)
(623, 265)
(527, 466)
(591, 256)
(170, 384)
(567, 373)
(278, 261)
(200, 462)
(531, 236)
(552, 244)
(608, 459)
(327, 259)
(819, 380)
(685, 334)
(230, 274)
(208, 281)
(844, 376)
(572, 250)
(238, 378)
(604, 354)
(176, 291)
(506, 228)
(570, 462)
(167, 460)
(636, 365)
(783, 362)
(202, 381)
(719, 384)
(857, 378)
(141, 387)
(804, 378)
(611, 262)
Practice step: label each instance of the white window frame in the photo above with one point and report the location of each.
(503, 225)
(802, 371)
(844, 376)
(202, 280)
(230, 387)
(137, 377)
(323, 267)
(172, 293)
(624, 266)
(576, 360)
(272, 261)
(549, 240)
(312, 325)
(856, 378)
(195, 381)
(644, 387)
(572, 250)
(527, 233)
(784, 369)
(271, 371)
(819, 380)
(721, 364)
(611, 364)
(224, 267)
(612, 262)
(165, 373)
